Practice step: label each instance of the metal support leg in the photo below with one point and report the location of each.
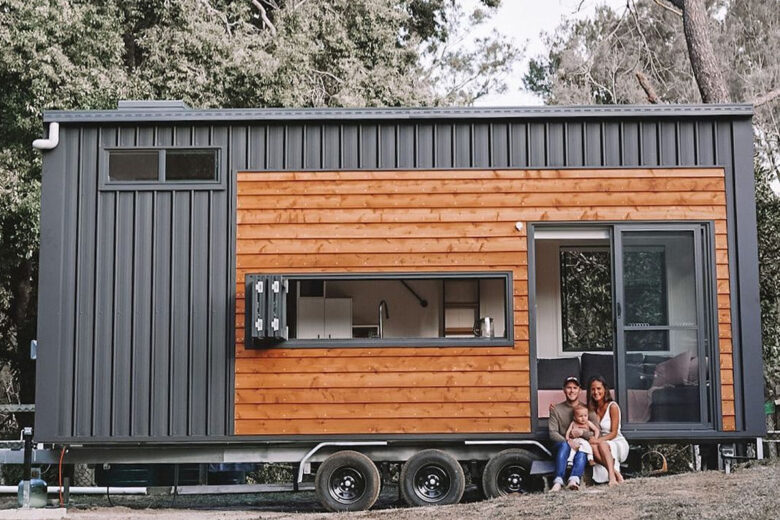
(27, 436)
(66, 491)
(759, 448)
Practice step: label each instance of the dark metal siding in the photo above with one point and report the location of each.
(137, 287)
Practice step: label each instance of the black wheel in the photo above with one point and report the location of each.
(347, 481)
(507, 472)
(432, 477)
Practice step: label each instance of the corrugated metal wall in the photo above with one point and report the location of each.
(135, 338)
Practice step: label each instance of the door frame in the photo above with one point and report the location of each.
(711, 368)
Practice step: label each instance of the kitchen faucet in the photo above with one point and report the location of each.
(383, 306)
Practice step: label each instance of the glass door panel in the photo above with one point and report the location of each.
(661, 325)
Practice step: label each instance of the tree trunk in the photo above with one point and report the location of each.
(705, 66)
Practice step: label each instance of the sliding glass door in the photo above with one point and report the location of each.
(663, 327)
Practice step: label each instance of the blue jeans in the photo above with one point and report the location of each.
(562, 451)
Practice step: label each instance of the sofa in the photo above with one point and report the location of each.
(660, 388)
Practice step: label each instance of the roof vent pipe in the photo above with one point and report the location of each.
(52, 141)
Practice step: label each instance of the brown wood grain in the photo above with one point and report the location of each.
(347, 365)
(418, 411)
(387, 426)
(431, 186)
(462, 394)
(382, 380)
(432, 221)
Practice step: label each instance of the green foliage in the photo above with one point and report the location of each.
(768, 216)
(586, 293)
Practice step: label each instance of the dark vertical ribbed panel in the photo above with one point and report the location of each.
(162, 313)
(573, 144)
(221, 295)
(593, 143)
(85, 296)
(48, 370)
(123, 313)
(350, 146)
(537, 146)
(256, 148)
(556, 144)
(649, 142)
(686, 142)
(425, 145)
(612, 144)
(67, 269)
(667, 143)
(331, 146)
(629, 145)
(519, 146)
(143, 271)
(387, 146)
(706, 143)
(198, 376)
(444, 157)
(367, 147)
(499, 145)
(275, 147)
(481, 143)
(312, 152)
(181, 307)
(102, 389)
(407, 146)
(294, 147)
(462, 144)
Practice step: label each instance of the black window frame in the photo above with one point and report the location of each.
(454, 342)
(161, 183)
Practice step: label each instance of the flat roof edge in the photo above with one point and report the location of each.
(315, 114)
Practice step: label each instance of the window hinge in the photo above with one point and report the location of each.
(275, 324)
(276, 286)
(259, 287)
(259, 324)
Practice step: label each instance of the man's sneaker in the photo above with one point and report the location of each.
(556, 487)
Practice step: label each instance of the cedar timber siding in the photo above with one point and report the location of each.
(428, 220)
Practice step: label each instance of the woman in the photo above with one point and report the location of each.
(610, 448)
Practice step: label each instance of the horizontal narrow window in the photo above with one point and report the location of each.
(190, 165)
(133, 165)
(175, 165)
(390, 309)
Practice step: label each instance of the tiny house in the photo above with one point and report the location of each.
(394, 278)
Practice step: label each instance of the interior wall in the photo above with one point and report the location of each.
(548, 300)
(491, 303)
(407, 317)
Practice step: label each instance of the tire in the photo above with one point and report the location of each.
(83, 475)
(508, 472)
(347, 481)
(432, 477)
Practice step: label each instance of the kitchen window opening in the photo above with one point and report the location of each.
(355, 310)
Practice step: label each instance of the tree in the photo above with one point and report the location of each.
(78, 54)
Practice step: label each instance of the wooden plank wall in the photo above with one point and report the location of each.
(437, 220)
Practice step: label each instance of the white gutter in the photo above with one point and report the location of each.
(52, 141)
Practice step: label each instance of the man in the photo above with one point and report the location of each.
(561, 416)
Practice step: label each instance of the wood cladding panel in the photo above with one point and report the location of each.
(436, 220)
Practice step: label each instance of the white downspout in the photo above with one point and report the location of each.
(52, 141)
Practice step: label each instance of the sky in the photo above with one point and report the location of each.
(524, 21)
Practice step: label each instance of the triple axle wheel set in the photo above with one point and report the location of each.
(350, 481)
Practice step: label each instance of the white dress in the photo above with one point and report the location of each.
(617, 446)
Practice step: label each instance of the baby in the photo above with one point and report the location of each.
(581, 421)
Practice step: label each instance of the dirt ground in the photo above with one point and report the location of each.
(748, 493)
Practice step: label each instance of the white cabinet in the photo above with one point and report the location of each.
(338, 318)
(324, 318)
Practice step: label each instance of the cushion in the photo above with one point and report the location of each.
(551, 373)
(672, 372)
(544, 398)
(598, 365)
(693, 372)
